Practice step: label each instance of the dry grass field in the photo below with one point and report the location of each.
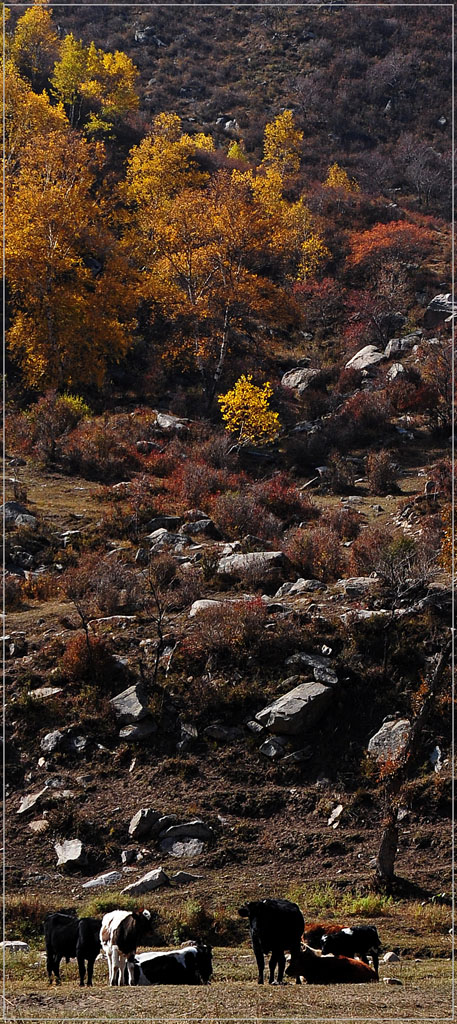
(425, 994)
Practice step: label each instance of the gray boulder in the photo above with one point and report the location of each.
(71, 854)
(365, 357)
(439, 310)
(31, 802)
(254, 561)
(202, 606)
(320, 664)
(155, 879)
(141, 824)
(359, 586)
(300, 586)
(130, 706)
(52, 741)
(142, 731)
(390, 741)
(14, 946)
(170, 424)
(300, 378)
(405, 344)
(395, 371)
(110, 878)
(12, 509)
(183, 878)
(297, 710)
(201, 527)
(24, 519)
(161, 538)
(170, 523)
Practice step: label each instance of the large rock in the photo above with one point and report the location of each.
(142, 731)
(395, 371)
(142, 822)
(300, 586)
(273, 747)
(130, 706)
(254, 561)
(320, 664)
(299, 378)
(171, 424)
(52, 741)
(201, 527)
(189, 830)
(71, 854)
(14, 946)
(110, 878)
(202, 606)
(297, 710)
(12, 509)
(155, 879)
(365, 357)
(359, 586)
(439, 310)
(390, 741)
(398, 345)
(161, 538)
(183, 878)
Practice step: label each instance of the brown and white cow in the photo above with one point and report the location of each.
(121, 933)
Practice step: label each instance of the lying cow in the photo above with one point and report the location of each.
(122, 931)
(191, 965)
(275, 925)
(361, 940)
(329, 970)
(70, 937)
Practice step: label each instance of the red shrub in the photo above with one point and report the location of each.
(238, 513)
(284, 500)
(368, 550)
(345, 522)
(315, 553)
(87, 662)
(381, 472)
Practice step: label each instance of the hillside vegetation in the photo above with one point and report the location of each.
(228, 475)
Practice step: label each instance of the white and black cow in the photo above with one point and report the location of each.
(71, 937)
(122, 931)
(191, 965)
(360, 940)
(275, 925)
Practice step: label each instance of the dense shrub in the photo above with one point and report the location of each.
(85, 660)
(381, 472)
(339, 478)
(96, 450)
(284, 500)
(227, 632)
(345, 522)
(366, 414)
(238, 513)
(315, 553)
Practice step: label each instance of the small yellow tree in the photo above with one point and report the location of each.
(245, 411)
(338, 178)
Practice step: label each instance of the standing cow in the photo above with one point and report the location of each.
(360, 940)
(69, 937)
(275, 925)
(122, 931)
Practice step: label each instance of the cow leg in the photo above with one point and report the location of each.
(258, 952)
(272, 966)
(109, 957)
(281, 961)
(121, 961)
(130, 972)
(49, 965)
(375, 957)
(90, 970)
(82, 969)
(57, 960)
(295, 954)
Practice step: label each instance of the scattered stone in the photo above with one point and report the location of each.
(70, 536)
(141, 824)
(391, 739)
(396, 370)
(130, 706)
(142, 731)
(155, 879)
(185, 848)
(107, 879)
(38, 826)
(367, 356)
(70, 854)
(223, 733)
(110, 622)
(170, 523)
(12, 509)
(31, 801)
(273, 747)
(26, 520)
(190, 830)
(299, 709)
(335, 815)
(300, 586)
(169, 423)
(129, 856)
(52, 741)
(323, 671)
(436, 759)
(254, 727)
(161, 538)
(45, 692)
(391, 958)
(405, 344)
(392, 981)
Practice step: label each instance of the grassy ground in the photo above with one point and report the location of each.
(233, 994)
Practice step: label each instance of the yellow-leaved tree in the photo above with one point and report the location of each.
(283, 144)
(69, 76)
(35, 45)
(337, 177)
(246, 412)
(72, 302)
(111, 80)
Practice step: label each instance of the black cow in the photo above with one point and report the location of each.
(191, 965)
(357, 941)
(70, 937)
(275, 925)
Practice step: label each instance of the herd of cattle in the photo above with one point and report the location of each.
(322, 954)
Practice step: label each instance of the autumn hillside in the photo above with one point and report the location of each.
(228, 467)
